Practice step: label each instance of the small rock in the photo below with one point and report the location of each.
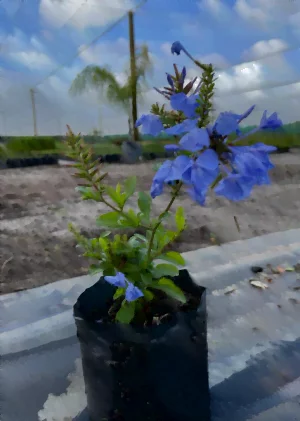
(256, 269)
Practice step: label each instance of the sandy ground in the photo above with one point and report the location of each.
(37, 203)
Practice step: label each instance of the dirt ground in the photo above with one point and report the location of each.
(36, 205)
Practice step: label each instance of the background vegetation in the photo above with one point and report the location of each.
(288, 136)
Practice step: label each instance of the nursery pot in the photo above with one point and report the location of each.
(156, 373)
(131, 152)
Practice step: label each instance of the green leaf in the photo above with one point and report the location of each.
(145, 202)
(163, 238)
(148, 295)
(93, 269)
(119, 292)
(87, 193)
(164, 269)
(168, 286)
(146, 278)
(173, 257)
(180, 219)
(130, 186)
(126, 223)
(103, 243)
(133, 217)
(109, 219)
(140, 237)
(126, 312)
(115, 195)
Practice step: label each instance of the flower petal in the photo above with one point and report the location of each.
(118, 280)
(198, 195)
(132, 292)
(172, 148)
(184, 127)
(226, 123)
(156, 189)
(188, 105)
(234, 187)
(195, 140)
(272, 122)
(151, 124)
(208, 160)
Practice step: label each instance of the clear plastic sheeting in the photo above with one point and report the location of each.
(253, 336)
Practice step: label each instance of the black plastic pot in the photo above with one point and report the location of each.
(112, 158)
(157, 373)
(283, 150)
(131, 152)
(13, 163)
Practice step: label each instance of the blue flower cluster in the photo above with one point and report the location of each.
(132, 292)
(211, 156)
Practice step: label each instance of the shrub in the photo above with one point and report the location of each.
(28, 144)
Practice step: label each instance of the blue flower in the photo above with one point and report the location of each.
(176, 48)
(157, 188)
(170, 81)
(183, 75)
(202, 171)
(235, 187)
(151, 124)
(198, 195)
(195, 140)
(118, 280)
(226, 124)
(186, 104)
(169, 171)
(271, 122)
(246, 113)
(251, 163)
(172, 148)
(261, 147)
(184, 127)
(132, 292)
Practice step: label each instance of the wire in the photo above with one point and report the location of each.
(271, 85)
(113, 25)
(293, 48)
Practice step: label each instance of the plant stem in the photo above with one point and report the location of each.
(156, 226)
(99, 190)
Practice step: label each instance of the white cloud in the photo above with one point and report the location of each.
(32, 59)
(216, 59)
(166, 48)
(264, 48)
(266, 12)
(250, 12)
(109, 53)
(27, 51)
(56, 108)
(217, 8)
(242, 77)
(82, 14)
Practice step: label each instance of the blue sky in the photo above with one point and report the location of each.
(39, 39)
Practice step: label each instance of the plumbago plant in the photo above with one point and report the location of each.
(203, 160)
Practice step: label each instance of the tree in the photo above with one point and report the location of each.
(117, 94)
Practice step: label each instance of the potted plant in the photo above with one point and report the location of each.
(142, 326)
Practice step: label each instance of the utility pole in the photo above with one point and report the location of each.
(32, 96)
(133, 75)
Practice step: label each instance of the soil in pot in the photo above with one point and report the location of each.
(151, 372)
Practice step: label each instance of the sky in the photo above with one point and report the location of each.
(253, 44)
